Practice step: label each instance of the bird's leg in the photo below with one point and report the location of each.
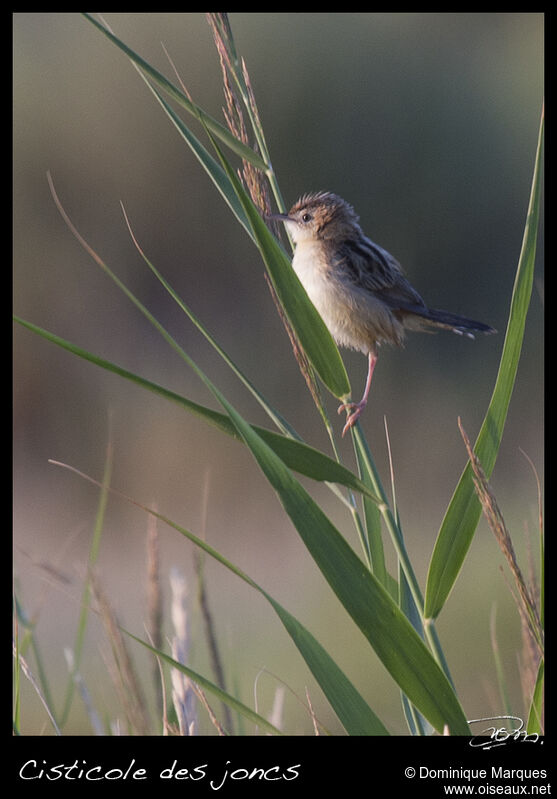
(355, 408)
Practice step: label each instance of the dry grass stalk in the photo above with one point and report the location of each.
(203, 699)
(303, 363)
(154, 600)
(216, 663)
(22, 664)
(124, 676)
(312, 714)
(183, 694)
(207, 616)
(525, 601)
(252, 178)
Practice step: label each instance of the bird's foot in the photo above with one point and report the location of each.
(355, 411)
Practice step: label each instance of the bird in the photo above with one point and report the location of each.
(358, 288)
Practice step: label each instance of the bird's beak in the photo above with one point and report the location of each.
(279, 217)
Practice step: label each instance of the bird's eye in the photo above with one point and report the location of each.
(307, 217)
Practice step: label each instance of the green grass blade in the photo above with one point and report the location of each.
(308, 325)
(298, 456)
(535, 716)
(306, 322)
(22, 667)
(389, 632)
(273, 414)
(417, 724)
(30, 641)
(86, 595)
(372, 516)
(211, 166)
(542, 576)
(392, 637)
(16, 713)
(463, 513)
(206, 684)
(353, 712)
(498, 663)
(216, 128)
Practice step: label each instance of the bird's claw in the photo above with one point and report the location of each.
(355, 410)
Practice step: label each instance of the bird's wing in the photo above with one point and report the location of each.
(369, 266)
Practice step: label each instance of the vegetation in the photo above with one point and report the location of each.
(396, 618)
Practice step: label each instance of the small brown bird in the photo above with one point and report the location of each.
(358, 287)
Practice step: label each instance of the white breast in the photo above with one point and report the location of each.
(324, 292)
(311, 268)
(354, 317)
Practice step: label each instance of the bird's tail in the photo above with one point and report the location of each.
(445, 320)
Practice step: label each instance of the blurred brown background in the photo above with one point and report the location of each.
(427, 124)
